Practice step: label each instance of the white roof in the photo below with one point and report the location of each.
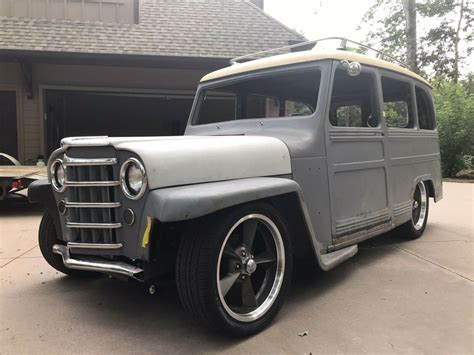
(308, 56)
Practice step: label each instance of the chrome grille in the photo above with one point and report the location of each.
(91, 206)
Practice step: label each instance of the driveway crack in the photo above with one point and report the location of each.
(432, 262)
(19, 256)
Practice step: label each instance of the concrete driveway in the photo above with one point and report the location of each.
(393, 296)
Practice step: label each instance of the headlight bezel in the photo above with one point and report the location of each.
(124, 183)
(57, 185)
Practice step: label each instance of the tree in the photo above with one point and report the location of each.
(409, 10)
(393, 29)
(454, 114)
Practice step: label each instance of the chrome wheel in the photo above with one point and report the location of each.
(419, 207)
(251, 267)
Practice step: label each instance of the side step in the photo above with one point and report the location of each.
(331, 260)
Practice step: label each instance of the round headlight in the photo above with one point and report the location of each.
(133, 179)
(58, 175)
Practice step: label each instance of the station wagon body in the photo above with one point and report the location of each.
(295, 156)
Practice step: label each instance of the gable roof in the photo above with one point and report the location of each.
(181, 28)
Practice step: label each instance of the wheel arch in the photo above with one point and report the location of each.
(186, 204)
(430, 186)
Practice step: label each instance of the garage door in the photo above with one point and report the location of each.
(79, 113)
(8, 127)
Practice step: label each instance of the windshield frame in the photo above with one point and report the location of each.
(206, 86)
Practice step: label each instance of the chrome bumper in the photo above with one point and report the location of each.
(96, 264)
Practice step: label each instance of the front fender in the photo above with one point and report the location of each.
(182, 203)
(193, 201)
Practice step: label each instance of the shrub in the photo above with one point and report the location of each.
(455, 120)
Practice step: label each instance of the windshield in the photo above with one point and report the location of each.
(288, 94)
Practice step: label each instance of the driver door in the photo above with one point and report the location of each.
(356, 157)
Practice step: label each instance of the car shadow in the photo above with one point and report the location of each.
(128, 305)
(18, 205)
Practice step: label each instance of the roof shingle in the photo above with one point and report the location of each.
(183, 28)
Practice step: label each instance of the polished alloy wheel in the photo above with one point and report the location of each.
(419, 206)
(251, 267)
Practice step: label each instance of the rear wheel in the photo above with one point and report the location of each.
(414, 228)
(234, 271)
(48, 237)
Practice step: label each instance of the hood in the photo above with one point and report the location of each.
(183, 160)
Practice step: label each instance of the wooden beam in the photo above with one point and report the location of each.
(27, 76)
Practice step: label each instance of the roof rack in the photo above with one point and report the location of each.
(342, 46)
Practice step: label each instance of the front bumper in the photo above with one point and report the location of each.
(90, 263)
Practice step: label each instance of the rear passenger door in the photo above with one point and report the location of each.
(356, 157)
(412, 141)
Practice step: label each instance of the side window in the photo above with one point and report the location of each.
(425, 109)
(349, 116)
(397, 102)
(353, 101)
(297, 108)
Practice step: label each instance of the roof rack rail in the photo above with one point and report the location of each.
(342, 46)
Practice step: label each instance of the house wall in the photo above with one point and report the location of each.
(76, 77)
(115, 11)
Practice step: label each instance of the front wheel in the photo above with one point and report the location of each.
(415, 227)
(47, 237)
(234, 270)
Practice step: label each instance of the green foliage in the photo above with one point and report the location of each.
(455, 119)
(349, 116)
(438, 50)
(396, 114)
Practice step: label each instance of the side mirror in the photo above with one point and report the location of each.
(353, 68)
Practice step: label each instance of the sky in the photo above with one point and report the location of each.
(321, 18)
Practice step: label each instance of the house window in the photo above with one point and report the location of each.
(353, 101)
(397, 99)
(425, 109)
(288, 94)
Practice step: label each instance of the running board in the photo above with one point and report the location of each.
(331, 260)
(97, 264)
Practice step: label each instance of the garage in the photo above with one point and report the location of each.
(72, 113)
(8, 123)
(115, 67)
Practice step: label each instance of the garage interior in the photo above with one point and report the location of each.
(8, 123)
(72, 113)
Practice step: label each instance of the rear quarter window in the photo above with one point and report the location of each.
(425, 109)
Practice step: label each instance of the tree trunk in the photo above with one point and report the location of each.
(456, 42)
(409, 7)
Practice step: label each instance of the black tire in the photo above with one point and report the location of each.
(414, 228)
(200, 251)
(47, 237)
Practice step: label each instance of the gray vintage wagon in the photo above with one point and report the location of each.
(294, 156)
